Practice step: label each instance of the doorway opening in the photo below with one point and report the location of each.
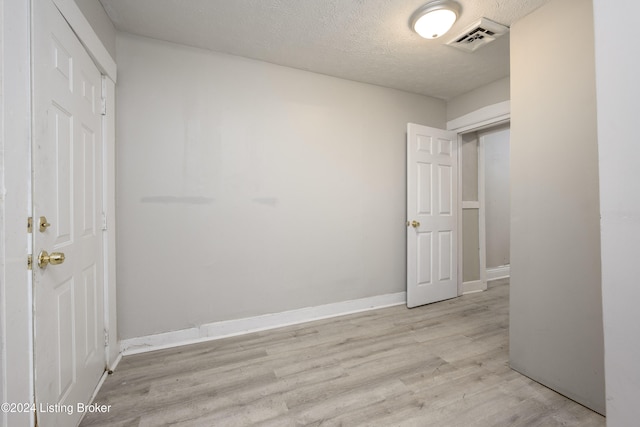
(485, 212)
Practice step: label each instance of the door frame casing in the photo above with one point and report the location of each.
(478, 120)
(16, 373)
(16, 298)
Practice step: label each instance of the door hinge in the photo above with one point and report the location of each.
(103, 106)
(29, 262)
(106, 338)
(30, 225)
(104, 221)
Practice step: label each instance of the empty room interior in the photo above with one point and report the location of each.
(287, 213)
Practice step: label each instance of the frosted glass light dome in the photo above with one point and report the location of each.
(435, 19)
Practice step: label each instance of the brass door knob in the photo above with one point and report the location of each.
(415, 224)
(54, 258)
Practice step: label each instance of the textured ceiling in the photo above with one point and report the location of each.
(363, 40)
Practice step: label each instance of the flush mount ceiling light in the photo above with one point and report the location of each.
(434, 19)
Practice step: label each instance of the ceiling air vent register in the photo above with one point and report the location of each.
(478, 34)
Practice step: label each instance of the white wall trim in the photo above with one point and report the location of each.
(473, 287)
(115, 363)
(485, 116)
(16, 370)
(501, 272)
(230, 328)
(88, 37)
(109, 235)
(461, 206)
(470, 205)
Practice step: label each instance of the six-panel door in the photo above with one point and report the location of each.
(432, 186)
(67, 190)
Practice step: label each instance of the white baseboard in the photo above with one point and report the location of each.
(229, 328)
(473, 286)
(496, 273)
(112, 366)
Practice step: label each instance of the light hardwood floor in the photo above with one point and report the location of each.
(444, 364)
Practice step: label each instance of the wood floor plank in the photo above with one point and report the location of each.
(444, 364)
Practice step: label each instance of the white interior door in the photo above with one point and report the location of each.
(432, 235)
(69, 349)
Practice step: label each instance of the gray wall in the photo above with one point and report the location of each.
(496, 195)
(618, 91)
(470, 167)
(489, 94)
(470, 245)
(247, 188)
(100, 22)
(556, 332)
